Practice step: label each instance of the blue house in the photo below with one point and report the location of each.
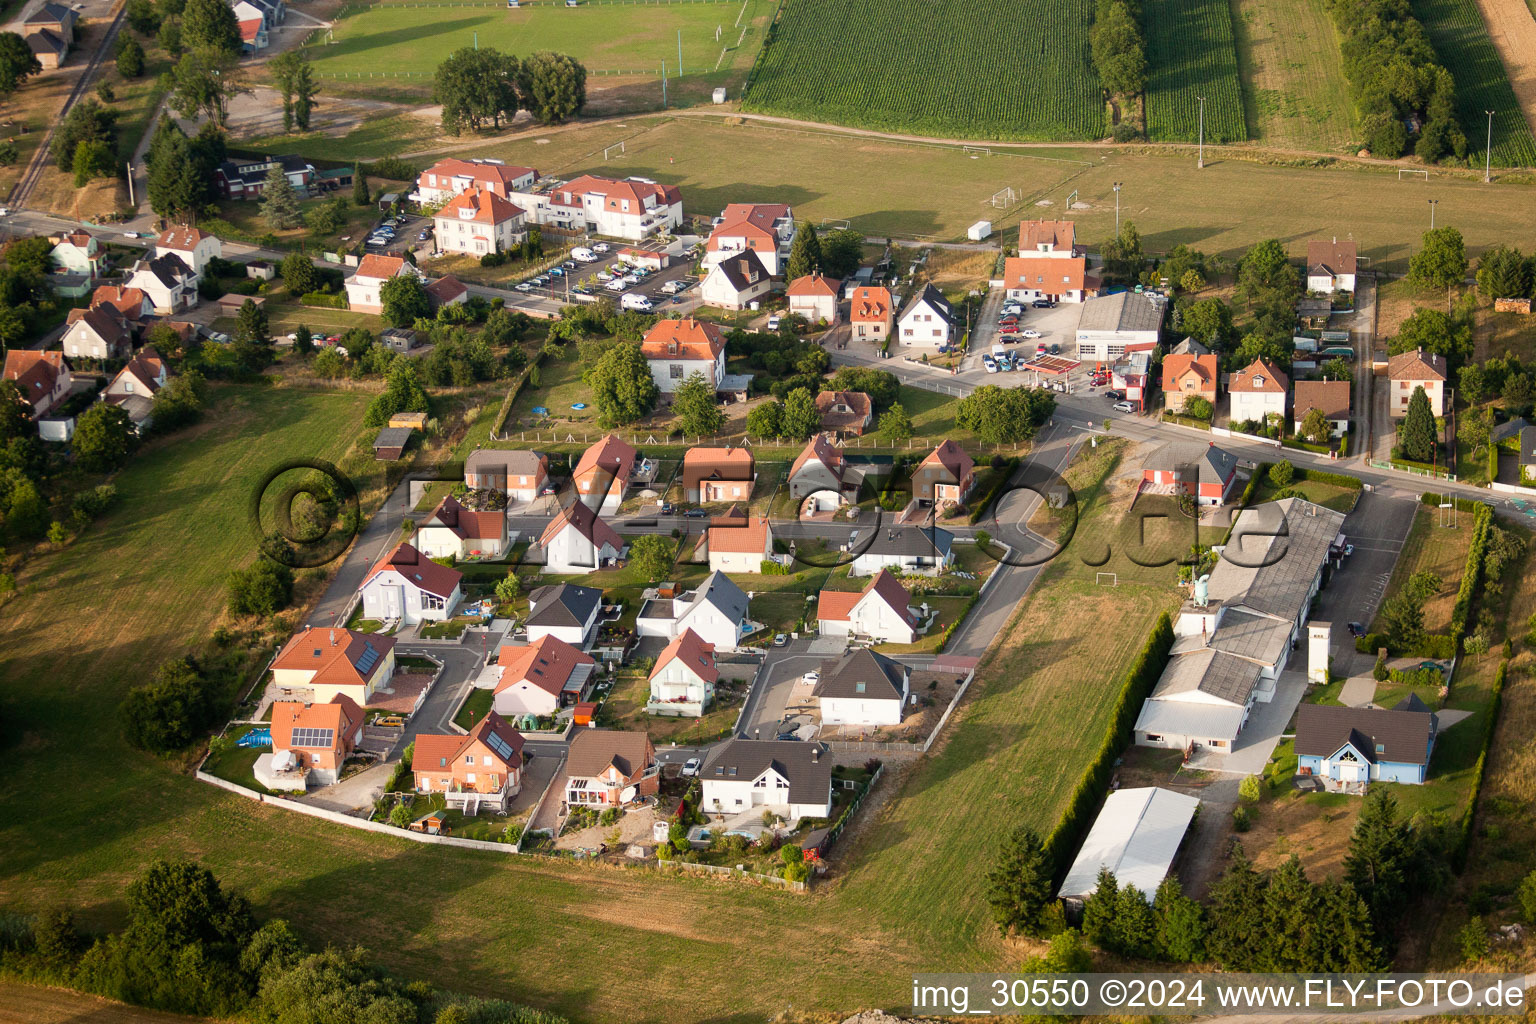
(1349, 748)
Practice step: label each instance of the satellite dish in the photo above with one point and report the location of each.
(628, 795)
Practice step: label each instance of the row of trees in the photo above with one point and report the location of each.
(837, 256)
(1118, 48)
(482, 87)
(1268, 285)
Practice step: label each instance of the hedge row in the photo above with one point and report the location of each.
(1433, 500)
(1469, 814)
(512, 393)
(1472, 575)
(1322, 476)
(1144, 672)
(950, 629)
(979, 509)
(325, 300)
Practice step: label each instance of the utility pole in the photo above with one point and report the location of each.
(1432, 204)
(131, 201)
(1488, 151)
(663, 85)
(679, 53)
(1200, 162)
(1117, 209)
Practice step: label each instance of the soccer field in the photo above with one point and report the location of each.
(394, 39)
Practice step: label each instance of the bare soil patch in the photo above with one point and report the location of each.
(1512, 28)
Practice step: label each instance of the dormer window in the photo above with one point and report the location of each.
(465, 213)
(1258, 380)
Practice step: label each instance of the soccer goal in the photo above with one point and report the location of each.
(1106, 579)
(617, 147)
(1004, 198)
(1412, 172)
(975, 151)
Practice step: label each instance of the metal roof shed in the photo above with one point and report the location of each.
(1135, 836)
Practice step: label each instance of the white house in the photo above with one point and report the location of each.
(736, 282)
(923, 550)
(1331, 266)
(97, 333)
(1256, 391)
(578, 541)
(1408, 371)
(134, 387)
(820, 477)
(450, 529)
(683, 680)
(78, 253)
(739, 542)
(1112, 325)
(716, 611)
(478, 222)
(42, 377)
(195, 246)
(363, 287)
(168, 282)
(815, 298)
(409, 587)
(565, 612)
(790, 778)
(540, 678)
(863, 688)
(448, 177)
(925, 322)
(880, 611)
(1027, 278)
(767, 229)
(677, 349)
(632, 209)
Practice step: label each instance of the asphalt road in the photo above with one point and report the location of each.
(1377, 528)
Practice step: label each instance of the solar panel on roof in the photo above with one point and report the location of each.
(313, 737)
(502, 748)
(368, 658)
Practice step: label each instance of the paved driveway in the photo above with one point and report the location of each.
(776, 682)
(1259, 737)
(1377, 528)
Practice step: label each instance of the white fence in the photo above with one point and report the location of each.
(1513, 489)
(1224, 432)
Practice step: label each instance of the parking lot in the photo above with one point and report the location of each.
(610, 276)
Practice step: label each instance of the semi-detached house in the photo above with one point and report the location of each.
(447, 178)
(632, 209)
(1257, 391)
(409, 587)
(483, 766)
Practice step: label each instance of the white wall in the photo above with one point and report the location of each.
(860, 711)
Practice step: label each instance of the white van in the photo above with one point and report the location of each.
(618, 284)
(634, 300)
(583, 255)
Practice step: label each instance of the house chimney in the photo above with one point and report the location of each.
(1318, 636)
(816, 753)
(333, 638)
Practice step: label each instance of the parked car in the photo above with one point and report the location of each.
(787, 736)
(634, 300)
(780, 639)
(1356, 629)
(1030, 333)
(556, 271)
(813, 677)
(697, 513)
(1007, 322)
(774, 321)
(569, 264)
(1054, 349)
(673, 287)
(691, 767)
(604, 276)
(601, 247)
(423, 234)
(1124, 407)
(989, 363)
(582, 255)
(1040, 349)
(1043, 304)
(666, 508)
(523, 286)
(616, 284)
(547, 490)
(1113, 395)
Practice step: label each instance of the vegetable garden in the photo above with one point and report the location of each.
(980, 70)
(1191, 52)
(1460, 38)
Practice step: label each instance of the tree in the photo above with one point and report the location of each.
(26, 513)
(15, 413)
(1282, 473)
(1191, 281)
(404, 300)
(1019, 885)
(279, 202)
(1315, 426)
(1004, 415)
(296, 81)
(1473, 383)
(17, 62)
(1434, 331)
(103, 438)
(335, 987)
(303, 340)
(1123, 256)
(169, 37)
(180, 402)
(801, 418)
(327, 217)
(264, 589)
(300, 275)
(766, 420)
(1402, 619)
(621, 383)
(170, 711)
(1236, 938)
(175, 185)
(142, 17)
(1265, 276)
(1180, 923)
(651, 555)
(1441, 261)
(93, 159)
(1209, 322)
(1416, 436)
(1527, 898)
(87, 121)
(1198, 407)
(1136, 924)
(1338, 368)
(1101, 913)
(360, 195)
(251, 324)
(841, 252)
(552, 87)
(402, 393)
(1504, 273)
(203, 82)
(130, 58)
(695, 406)
(210, 25)
(804, 253)
(880, 385)
(304, 92)
(476, 87)
(1119, 52)
(895, 425)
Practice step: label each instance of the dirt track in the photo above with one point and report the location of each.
(21, 1004)
(1513, 31)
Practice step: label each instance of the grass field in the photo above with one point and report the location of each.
(1460, 37)
(979, 70)
(1191, 53)
(1294, 92)
(1441, 550)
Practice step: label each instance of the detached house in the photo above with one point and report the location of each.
(1028, 278)
(869, 313)
(409, 587)
(717, 474)
(135, 386)
(863, 688)
(168, 282)
(247, 178)
(43, 378)
(451, 530)
(364, 286)
(252, 22)
(1331, 397)
(945, 476)
(609, 767)
(97, 333)
(566, 612)
(1186, 377)
(518, 473)
(129, 303)
(925, 322)
(447, 178)
(736, 282)
(738, 542)
(1055, 239)
(716, 611)
(1188, 467)
(677, 349)
(766, 229)
(683, 681)
(195, 246)
(602, 474)
(879, 611)
(77, 252)
(1331, 266)
(478, 222)
(925, 551)
(319, 664)
(845, 413)
(786, 777)
(578, 541)
(815, 298)
(1256, 391)
(1349, 748)
(541, 678)
(820, 477)
(483, 766)
(316, 738)
(51, 31)
(1417, 369)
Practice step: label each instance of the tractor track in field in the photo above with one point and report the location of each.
(1512, 28)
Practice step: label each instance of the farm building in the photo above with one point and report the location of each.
(1136, 837)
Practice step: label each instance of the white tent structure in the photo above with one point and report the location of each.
(1135, 836)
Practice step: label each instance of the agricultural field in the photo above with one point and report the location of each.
(1460, 37)
(1294, 92)
(1191, 53)
(981, 70)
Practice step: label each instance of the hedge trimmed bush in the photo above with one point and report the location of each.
(1472, 575)
(1354, 483)
(1469, 813)
(324, 299)
(1143, 674)
(984, 502)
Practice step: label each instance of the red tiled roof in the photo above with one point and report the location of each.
(749, 221)
(611, 456)
(814, 284)
(889, 589)
(1416, 365)
(1329, 396)
(953, 458)
(334, 655)
(823, 451)
(1335, 256)
(35, 373)
(1058, 233)
(480, 206)
(418, 569)
(696, 655)
(747, 536)
(128, 302)
(381, 267)
(585, 522)
(446, 288)
(1177, 365)
(547, 664)
(183, 238)
(716, 464)
(614, 191)
(456, 168)
(342, 716)
(1045, 273)
(862, 407)
(870, 305)
(683, 339)
(1246, 380)
(836, 605)
(464, 523)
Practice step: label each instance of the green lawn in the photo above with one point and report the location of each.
(1294, 91)
(1319, 492)
(241, 220)
(286, 317)
(1441, 550)
(624, 708)
(474, 708)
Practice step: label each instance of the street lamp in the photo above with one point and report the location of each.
(1488, 151)
(1200, 162)
(1432, 204)
(1117, 209)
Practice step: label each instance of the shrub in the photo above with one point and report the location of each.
(1473, 938)
(1379, 671)
(1241, 820)
(1248, 789)
(1282, 473)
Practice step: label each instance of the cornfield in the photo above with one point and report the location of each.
(1191, 53)
(986, 69)
(1460, 37)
